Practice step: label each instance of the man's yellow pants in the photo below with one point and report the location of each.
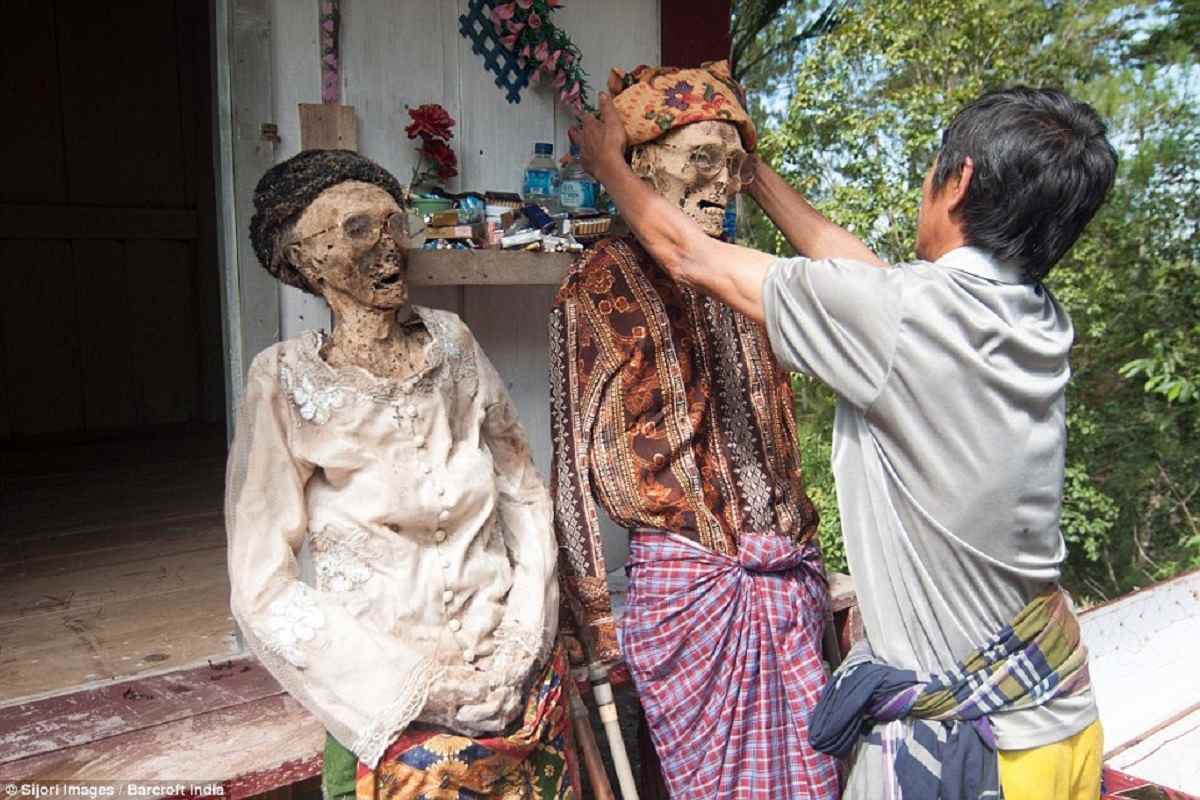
(1066, 770)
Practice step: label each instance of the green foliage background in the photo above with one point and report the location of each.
(853, 118)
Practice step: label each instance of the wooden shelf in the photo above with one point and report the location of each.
(487, 267)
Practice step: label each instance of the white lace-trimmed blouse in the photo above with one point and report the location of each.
(429, 527)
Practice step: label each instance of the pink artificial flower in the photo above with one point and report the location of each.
(560, 79)
(514, 26)
(542, 52)
(535, 21)
(520, 63)
(570, 94)
(505, 11)
(508, 41)
(535, 78)
(526, 52)
(567, 58)
(525, 4)
(552, 62)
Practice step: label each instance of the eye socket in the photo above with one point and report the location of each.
(357, 227)
(707, 159)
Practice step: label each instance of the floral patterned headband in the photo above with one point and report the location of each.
(654, 100)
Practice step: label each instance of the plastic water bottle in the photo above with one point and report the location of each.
(577, 189)
(541, 177)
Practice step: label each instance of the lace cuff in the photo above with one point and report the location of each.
(390, 722)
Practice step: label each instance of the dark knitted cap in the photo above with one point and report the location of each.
(287, 189)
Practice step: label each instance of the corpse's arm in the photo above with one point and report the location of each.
(526, 633)
(574, 384)
(362, 683)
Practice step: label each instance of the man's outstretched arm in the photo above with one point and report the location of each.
(805, 228)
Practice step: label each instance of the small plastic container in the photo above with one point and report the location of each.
(578, 191)
(540, 186)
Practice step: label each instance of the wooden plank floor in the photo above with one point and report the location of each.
(114, 562)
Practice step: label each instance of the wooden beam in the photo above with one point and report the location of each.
(95, 222)
(695, 31)
(487, 267)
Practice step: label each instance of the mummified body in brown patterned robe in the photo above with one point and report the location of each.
(668, 409)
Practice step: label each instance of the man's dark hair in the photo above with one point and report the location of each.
(1042, 166)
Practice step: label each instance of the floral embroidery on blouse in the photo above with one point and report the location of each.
(343, 558)
(293, 620)
(313, 403)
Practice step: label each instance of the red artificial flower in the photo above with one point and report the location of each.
(505, 11)
(514, 26)
(445, 162)
(509, 41)
(535, 21)
(554, 4)
(430, 121)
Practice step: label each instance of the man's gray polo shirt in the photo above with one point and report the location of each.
(948, 448)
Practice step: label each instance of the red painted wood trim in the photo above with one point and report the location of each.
(694, 31)
(1117, 785)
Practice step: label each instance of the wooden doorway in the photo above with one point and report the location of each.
(112, 387)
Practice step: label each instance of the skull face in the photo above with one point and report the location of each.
(351, 240)
(696, 167)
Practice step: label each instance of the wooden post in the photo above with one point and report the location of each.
(328, 127)
(694, 31)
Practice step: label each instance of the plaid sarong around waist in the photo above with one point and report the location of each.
(1040, 655)
(725, 653)
(527, 764)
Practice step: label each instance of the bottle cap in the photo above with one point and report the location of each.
(574, 150)
(543, 149)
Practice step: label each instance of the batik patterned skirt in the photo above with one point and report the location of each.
(725, 653)
(426, 763)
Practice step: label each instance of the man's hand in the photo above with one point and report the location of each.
(805, 228)
(601, 139)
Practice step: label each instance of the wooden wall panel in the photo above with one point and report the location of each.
(121, 112)
(106, 335)
(112, 138)
(164, 346)
(33, 170)
(40, 337)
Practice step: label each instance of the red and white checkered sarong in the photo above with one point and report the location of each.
(725, 653)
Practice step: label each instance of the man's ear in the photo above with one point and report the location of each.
(957, 187)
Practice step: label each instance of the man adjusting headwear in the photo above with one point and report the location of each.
(669, 410)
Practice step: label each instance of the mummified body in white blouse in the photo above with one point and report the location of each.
(393, 448)
(429, 529)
